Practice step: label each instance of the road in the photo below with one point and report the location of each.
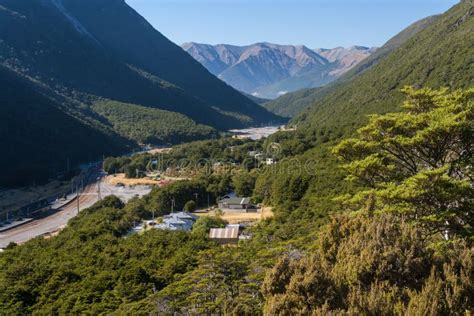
(58, 220)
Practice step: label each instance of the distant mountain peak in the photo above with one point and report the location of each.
(269, 70)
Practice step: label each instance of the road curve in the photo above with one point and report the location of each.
(58, 220)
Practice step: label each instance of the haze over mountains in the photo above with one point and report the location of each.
(269, 70)
(103, 66)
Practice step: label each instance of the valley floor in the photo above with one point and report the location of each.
(94, 190)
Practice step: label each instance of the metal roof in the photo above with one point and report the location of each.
(224, 233)
(236, 201)
(175, 221)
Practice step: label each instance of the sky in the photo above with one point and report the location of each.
(314, 23)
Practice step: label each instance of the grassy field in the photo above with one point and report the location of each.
(120, 178)
(242, 217)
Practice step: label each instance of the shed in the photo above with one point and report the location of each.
(228, 235)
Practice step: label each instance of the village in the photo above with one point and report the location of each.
(237, 212)
(48, 216)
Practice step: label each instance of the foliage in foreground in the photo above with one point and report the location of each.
(90, 266)
(372, 265)
(407, 248)
(418, 163)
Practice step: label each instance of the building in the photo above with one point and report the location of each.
(255, 153)
(177, 221)
(229, 195)
(234, 203)
(269, 161)
(225, 236)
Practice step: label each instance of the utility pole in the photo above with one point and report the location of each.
(98, 188)
(77, 198)
(172, 204)
(196, 195)
(208, 204)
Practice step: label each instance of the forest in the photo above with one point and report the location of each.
(383, 226)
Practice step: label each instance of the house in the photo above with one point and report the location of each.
(269, 161)
(235, 203)
(177, 221)
(225, 236)
(229, 195)
(255, 153)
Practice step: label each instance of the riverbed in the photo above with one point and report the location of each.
(256, 133)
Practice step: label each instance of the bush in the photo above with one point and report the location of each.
(373, 266)
(190, 206)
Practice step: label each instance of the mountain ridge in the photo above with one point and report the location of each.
(440, 54)
(294, 103)
(78, 54)
(269, 70)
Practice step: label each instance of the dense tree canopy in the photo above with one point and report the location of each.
(372, 265)
(90, 267)
(418, 163)
(373, 245)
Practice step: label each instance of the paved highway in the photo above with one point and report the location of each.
(58, 220)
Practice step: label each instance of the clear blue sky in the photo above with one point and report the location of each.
(314, 23)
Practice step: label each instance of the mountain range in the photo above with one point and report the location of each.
(435, 52)
(268, 70)
(104, 68)
(296, 102)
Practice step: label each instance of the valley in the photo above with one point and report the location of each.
(247, 179)
(53, 221)
(100, 97)
(256, 133)
(97, 185)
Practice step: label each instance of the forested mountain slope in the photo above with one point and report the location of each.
(82, 53)
(38, 136)
(131, 39)
(294, 103)
(442, 55)
(106, 49)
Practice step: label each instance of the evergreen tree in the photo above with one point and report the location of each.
(418, 163)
